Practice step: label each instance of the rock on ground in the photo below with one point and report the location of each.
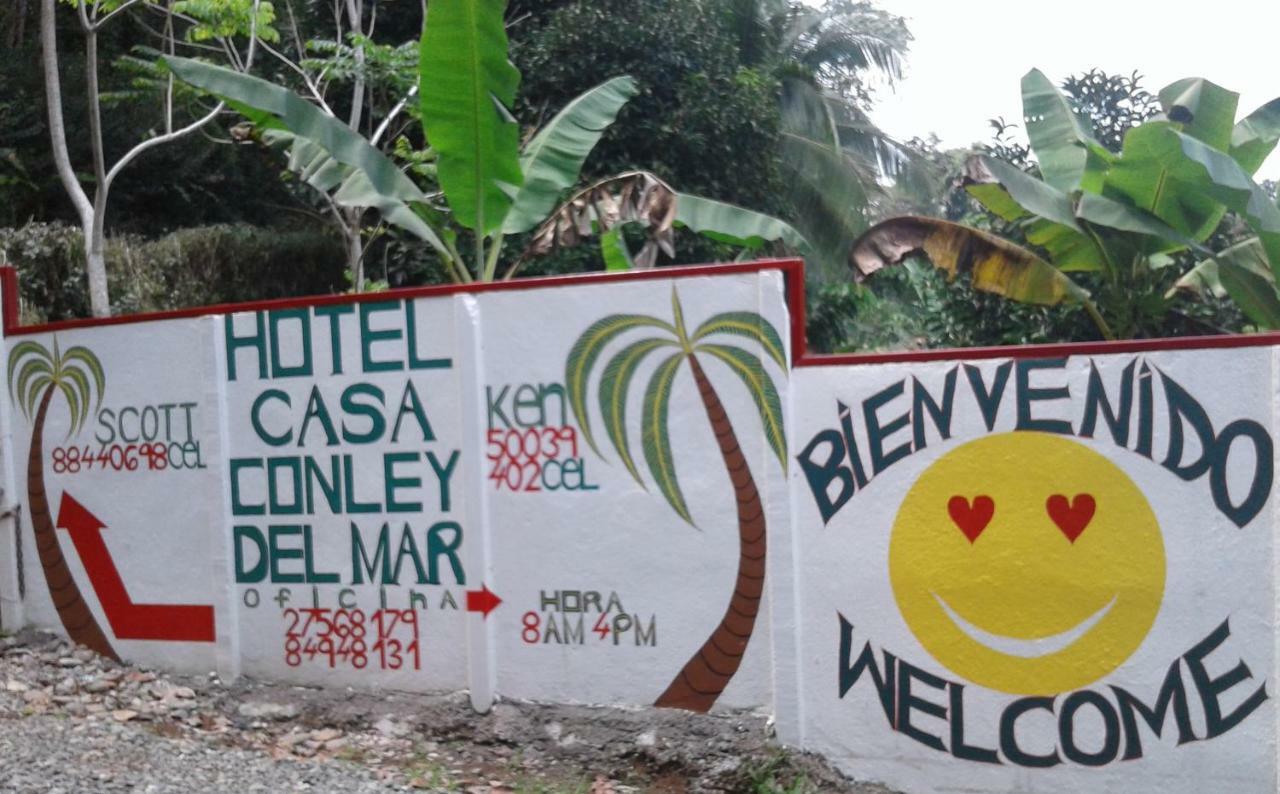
(71, 721)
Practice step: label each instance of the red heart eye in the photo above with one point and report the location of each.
(1071, 517)
(971, 517)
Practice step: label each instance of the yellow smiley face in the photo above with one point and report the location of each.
(1027, 563)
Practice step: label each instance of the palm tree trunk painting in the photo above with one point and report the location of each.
(39, 374)
(704, 677)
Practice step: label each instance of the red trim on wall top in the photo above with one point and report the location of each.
(793, 276)
(9, 310)
(791, 268)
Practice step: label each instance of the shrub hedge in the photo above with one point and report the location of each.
(196, 266)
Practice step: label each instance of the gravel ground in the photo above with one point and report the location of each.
(71, 721)
(56, 755)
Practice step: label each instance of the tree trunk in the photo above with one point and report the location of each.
(57, 127)
(96, 265)
(705, 676)
(350, 220)
(77, 619)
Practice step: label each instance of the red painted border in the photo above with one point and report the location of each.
(10, 312)
(791, 269)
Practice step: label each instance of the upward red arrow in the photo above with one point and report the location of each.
(129, 621)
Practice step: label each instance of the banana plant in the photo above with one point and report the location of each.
(490, 187)
(1118, 215)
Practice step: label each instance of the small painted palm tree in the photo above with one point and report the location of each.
(706, 674)
(34, 376)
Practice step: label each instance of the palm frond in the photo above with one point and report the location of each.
(584, 353)
(749, 368)
(656, 436)
(36, 388)
(677, 311)
(75, 405)
(614, 385)
(74, 379)
(27, 359)
(749, 325)
(28, 376)
(91, 363)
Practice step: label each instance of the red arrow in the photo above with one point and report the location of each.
(129, 621)
(482, 600)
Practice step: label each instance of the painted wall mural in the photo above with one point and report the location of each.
(1052, 572)
(703, 678)
(1023, 570)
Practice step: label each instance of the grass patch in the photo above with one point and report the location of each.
(429, 773)
(776, 775)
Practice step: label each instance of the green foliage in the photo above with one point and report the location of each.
(755, 102)
(390, 68)
(776, 775)
(329, 154)
(552, 160)
(467, 86)
(224, 19)
(1111, 104)
(702, 120)
(733, 225)
(614, 250)
(190, 267)
(1126, 216)
(1058, 137)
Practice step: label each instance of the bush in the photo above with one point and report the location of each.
(199, 266)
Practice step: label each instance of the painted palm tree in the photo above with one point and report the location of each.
(35, 375)
(706, 674)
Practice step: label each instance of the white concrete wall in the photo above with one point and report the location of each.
(1037, 690)
(1050, 573)
(349, 470)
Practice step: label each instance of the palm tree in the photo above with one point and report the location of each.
(706, 674)
(827, 58)
(78, 375)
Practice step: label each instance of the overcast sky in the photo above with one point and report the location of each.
(968, 56)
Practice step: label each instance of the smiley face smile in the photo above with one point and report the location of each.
(1028, 649)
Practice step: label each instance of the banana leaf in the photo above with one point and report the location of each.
(993, 264)
(1190, 185)
(1014, 195)
(365, 176)
(986, 177)
(735, 225)
(1247, 255)
(553, 160)
(1112, 214)
(1253, 292)
(1069, 156)
(1255, 137)
(1206, 111)
(641, 198)
(613, 248)
(467, 86)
